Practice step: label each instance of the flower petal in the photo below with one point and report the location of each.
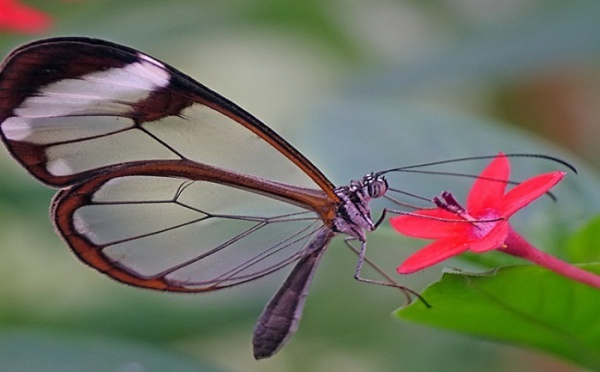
(492, 240)
(429, 224)
(488, 189)
(527, 191)
(432, 254)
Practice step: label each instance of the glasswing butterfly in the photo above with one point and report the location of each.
(165, 184)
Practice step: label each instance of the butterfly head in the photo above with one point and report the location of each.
(375, 185)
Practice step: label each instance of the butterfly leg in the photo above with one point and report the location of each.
(362, 258)
(380, 219)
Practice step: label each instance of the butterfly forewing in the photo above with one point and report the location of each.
(69, 108)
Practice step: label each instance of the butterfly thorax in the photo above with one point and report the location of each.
(353, 215)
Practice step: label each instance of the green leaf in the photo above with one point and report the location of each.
(584, 246)
(526, 305)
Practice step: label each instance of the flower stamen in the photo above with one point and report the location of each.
(447, 202)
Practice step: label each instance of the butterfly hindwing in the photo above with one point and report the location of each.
(161, 230)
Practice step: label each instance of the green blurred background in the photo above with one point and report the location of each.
(357, 86)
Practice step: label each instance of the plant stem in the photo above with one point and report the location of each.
(517, 246)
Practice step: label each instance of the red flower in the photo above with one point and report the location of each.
(20, 18)
(483, 225)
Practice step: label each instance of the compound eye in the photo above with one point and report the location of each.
(377, 187)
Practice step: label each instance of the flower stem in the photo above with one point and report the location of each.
(516, 245)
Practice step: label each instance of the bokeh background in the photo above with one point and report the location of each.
(357, 86)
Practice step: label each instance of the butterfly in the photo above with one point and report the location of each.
(165, 184)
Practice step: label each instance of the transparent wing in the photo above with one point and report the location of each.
(165, 184)
(174, 233)
(72, 107)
